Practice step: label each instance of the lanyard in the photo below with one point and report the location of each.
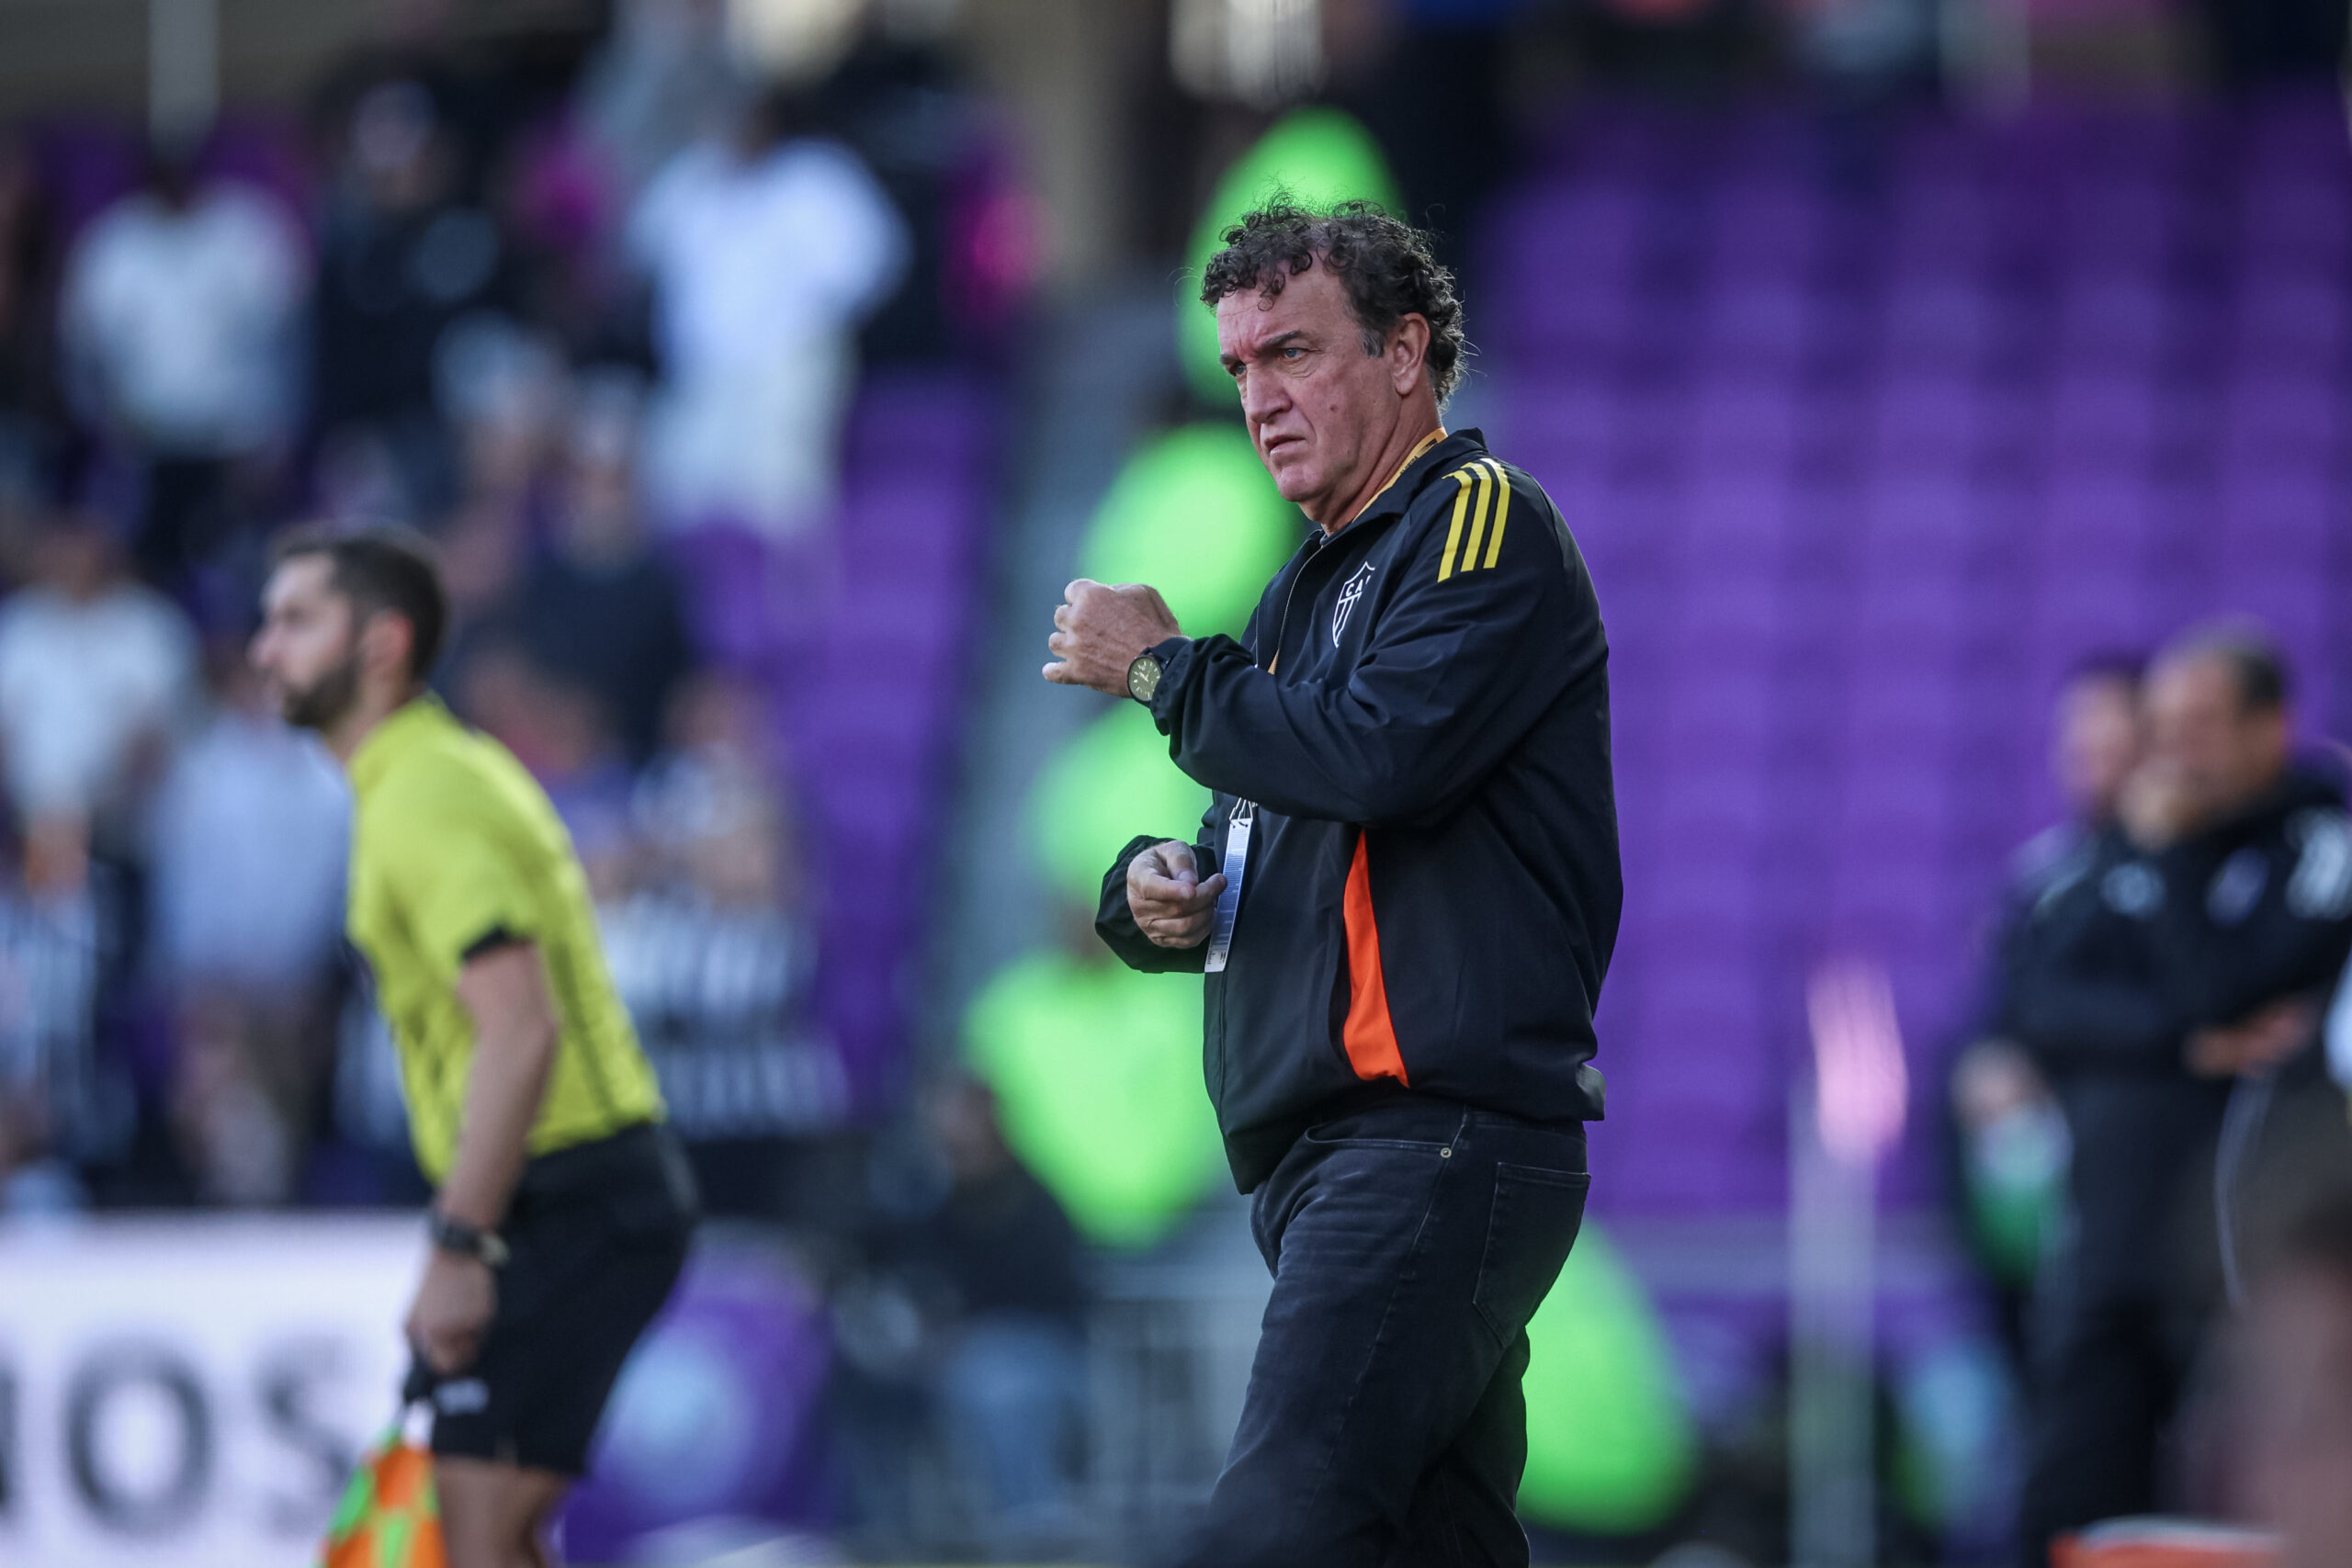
(1228, 903)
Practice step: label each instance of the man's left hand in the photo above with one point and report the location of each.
(1101, 630)
(452, 1310)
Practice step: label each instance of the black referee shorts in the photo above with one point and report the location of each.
(597, 1234)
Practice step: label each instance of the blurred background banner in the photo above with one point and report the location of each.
(193, 1392)
(1908, 371)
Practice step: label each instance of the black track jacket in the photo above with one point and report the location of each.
(1418, 726)
(2123, 955)
(2118, 955)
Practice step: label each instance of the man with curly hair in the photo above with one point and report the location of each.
(1414, 892)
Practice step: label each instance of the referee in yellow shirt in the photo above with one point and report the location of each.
(563, 1205)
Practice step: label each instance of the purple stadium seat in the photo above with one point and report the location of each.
(1766, 322)
(2095, 411)
(2286, 329)
(2120, 225)
(1931, 414)
(2127, 322)
(2294, 218)
(1766, 230)
(1938, 321)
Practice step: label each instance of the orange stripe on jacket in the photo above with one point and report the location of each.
(1368, 1035)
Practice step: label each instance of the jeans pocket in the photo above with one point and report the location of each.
(1323, 1138)
(1536, 1215)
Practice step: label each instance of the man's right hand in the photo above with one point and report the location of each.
(1171, 903)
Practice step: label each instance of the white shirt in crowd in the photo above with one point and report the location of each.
(180, 324)
(81, 683)
(250, 838)
(763, 268)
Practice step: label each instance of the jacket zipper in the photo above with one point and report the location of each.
(1282, 627)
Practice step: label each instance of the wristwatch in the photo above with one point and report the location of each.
(1143, 676)
(467, 1241)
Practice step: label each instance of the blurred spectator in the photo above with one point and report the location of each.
(97, 678)
(599, 607)
(62, 1107)
(906, 108)
(180, 307)
(506, 393)
(708, 939)
(2182, 951)
(30, 420)
(402, 257)
(419, 43)
(2294, 1367)
(557, 728)
(764, 251)
(2013, 1134)
(250, 839)
(985, 1257)
(33, 1181)
(662, 80)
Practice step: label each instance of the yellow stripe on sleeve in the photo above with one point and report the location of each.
(1460, 477)
(1478, 515)
(1502, 510)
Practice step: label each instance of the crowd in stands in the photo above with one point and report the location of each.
(480, 296)
(576, 327)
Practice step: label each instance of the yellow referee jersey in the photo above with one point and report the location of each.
(455, 848)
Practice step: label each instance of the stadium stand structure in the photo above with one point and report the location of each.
(1865, 443)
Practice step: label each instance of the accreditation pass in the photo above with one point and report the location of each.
(1228, 903)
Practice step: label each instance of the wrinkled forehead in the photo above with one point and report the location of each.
(1311, 302)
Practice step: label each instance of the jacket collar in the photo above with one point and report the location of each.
(2307, 784)
(1455, 447)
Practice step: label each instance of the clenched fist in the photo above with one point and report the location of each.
(1099, 631)
(1165, 894)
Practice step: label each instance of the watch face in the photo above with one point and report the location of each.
(1143, 678)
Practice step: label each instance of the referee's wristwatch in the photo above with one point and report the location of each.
(467, 1241)
(1143, 676)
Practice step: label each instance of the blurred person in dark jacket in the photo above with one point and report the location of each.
(973, 1316)
(33, 417)
(598, 606)
(2177, 953)
(1012, 1388)
(403, 256)
(2012, 1146)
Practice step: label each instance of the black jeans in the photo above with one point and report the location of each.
(1385, 1424)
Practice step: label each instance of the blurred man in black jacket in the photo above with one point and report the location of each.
(2175, 953)
(2011, 1135)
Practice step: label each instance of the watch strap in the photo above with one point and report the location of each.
(456, 1236)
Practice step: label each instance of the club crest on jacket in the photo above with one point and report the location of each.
(1350, 591)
